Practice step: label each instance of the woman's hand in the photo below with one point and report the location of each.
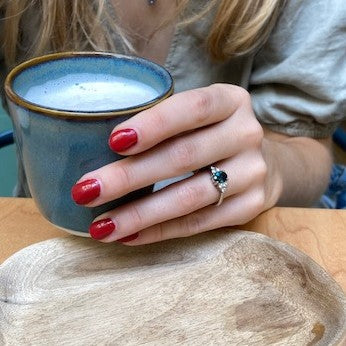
(191, 130)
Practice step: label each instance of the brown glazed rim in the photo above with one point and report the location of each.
(14, 97)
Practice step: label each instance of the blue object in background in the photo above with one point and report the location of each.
(335, 196)
(6, 138)
(8, 164)
(339, 138)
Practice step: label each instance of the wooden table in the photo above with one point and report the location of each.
(319, 233)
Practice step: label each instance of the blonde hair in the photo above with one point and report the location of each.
(239, 26)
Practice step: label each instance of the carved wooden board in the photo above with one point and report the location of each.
(219, 288)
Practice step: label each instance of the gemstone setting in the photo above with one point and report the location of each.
(219, 178)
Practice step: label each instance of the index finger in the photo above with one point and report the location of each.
(181, 112)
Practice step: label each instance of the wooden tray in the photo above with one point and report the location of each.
(218, 288)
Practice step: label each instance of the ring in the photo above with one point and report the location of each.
(220, 181)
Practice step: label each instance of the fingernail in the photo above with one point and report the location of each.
(122, 139)
(101, 229)
(86, 191)
(128, 238)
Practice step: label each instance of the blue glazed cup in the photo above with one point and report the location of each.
(64, 107)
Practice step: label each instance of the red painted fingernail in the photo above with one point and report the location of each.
(101, 229)
(86, 191)
(128, 238)
(122, 140)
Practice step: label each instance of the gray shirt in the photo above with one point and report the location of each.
(297, 79)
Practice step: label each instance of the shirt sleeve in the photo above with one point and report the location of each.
(298, 81)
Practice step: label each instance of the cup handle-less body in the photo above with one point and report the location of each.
(64, 107)
(42, 154)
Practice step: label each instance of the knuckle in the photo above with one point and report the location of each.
(189, 197)
(182, 154)
(124, 177)
(241, 94)
(255, 205)
(221, 88)
(202, 104)
(262, 169)
(136, 217)
(254, 133)
(194, 223)
(157, 120)
(258, 201)
(158, 232)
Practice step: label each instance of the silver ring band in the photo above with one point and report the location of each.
(220, 181)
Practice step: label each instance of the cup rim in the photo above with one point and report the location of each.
(59, 113)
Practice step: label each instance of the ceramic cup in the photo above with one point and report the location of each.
(64, 107)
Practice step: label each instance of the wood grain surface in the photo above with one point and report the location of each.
(319, 233)
(218, 288)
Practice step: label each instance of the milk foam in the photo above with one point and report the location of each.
(90, 92)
